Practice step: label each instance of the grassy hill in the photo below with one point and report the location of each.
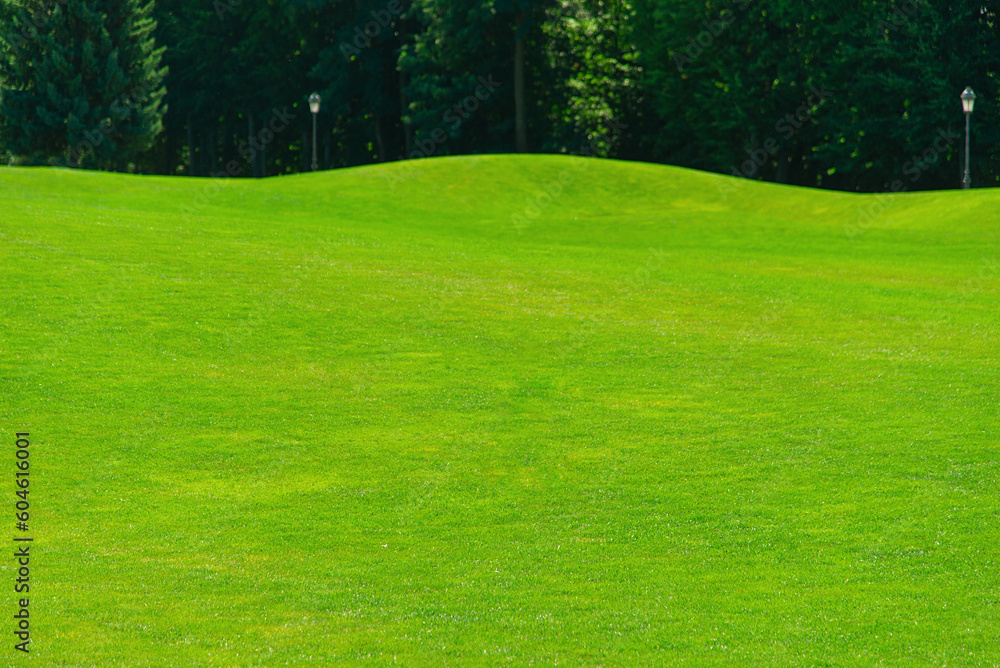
(502, 409)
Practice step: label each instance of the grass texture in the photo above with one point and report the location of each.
(506, 409)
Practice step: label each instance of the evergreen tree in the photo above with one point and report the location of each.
(82, 81)
(237, 85)
(363, 88)
(475, 73)
(854, 96)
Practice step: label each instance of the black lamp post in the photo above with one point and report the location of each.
(314, 101)
(968, 100)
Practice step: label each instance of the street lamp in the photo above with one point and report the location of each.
(314, 101)
(968, 100)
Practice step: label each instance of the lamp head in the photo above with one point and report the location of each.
(968, 100)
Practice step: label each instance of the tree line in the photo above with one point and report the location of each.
(860, 96)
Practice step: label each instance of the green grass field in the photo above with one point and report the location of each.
(424, 414)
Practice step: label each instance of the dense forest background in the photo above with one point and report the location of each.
(860, 95)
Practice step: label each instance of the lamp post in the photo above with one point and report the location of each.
(968, 100)
(314, 101)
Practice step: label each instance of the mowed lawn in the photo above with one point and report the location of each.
(530, 409)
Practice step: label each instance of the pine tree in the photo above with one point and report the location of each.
(81, 81)
(239, 70)
(859, 95)
(474, 73)
(362, 86)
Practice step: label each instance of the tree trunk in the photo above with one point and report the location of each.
(783, 163)
(251, 141)
(213, 160)
(263, 156)
(168, 158)
(227, 142)
(520, 122)
(407, 128)
(404, 105)
(379, 144)
(305, 159)
(191, 160)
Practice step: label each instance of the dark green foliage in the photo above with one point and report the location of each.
(859, 96)
(462, 43)
(592, 81)
(853, 96)
(82, 81)
(363, 89)
(237, 86)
